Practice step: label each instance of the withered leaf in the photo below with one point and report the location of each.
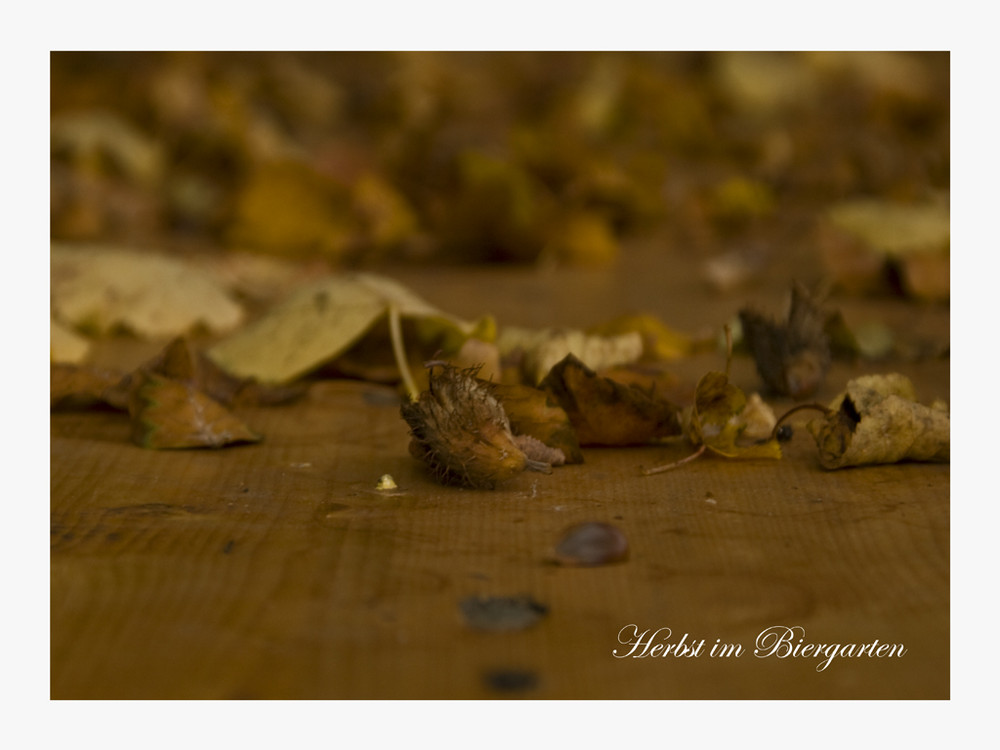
(182, 362)
(877, 420)
(81, 386)
(322, 321)
(101, 289)
(604, 412)
(659, 341)
(169, 414)
(718, 420)
(792, 357)
(532, 412)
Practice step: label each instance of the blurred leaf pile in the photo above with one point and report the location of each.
(361, 158)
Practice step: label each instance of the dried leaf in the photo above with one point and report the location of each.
(181, 362)
(542, 349)
(659, 341)
(532, 412)
(604, 412)
(103, 289)
(66, 346)
(78, 386)
(168, 414)
(718, 420)
(287, 207)
(877, 420)
(865, 237)
(322, 321)
(792, 357)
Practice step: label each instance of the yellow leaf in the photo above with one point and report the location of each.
(323, 320)
(102, 289)
(718, 420)
(659, 341)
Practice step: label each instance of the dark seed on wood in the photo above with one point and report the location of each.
(511, 680)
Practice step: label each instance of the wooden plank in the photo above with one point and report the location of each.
(277, 571)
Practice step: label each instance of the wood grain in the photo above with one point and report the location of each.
(277, 570)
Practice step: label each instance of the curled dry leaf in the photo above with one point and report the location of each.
(169, 414)
(877, 420)
(792, 357)
(591, 543)
(101, 289)
(719, 421)
(461, 432)
(604, 412)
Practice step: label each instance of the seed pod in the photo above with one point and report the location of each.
(461, 431)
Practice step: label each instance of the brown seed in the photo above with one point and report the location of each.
(461, 431)
(591, 543)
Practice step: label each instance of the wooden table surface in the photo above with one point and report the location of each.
(277, 570)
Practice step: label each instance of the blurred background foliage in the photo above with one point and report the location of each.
(364, 159)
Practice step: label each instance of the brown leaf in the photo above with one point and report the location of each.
(80, 387)
(604, 412)
(180, 361)
(792, 357)
(170, 414)
(532, 412)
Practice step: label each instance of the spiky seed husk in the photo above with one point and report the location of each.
(461, 431)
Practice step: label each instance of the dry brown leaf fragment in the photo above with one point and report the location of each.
(461, 432)
(604, 412)
(793, 356)
(182, 362)
(168, 414)
(79, 386)
(877, 420)
(532, 412)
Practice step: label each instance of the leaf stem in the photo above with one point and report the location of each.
(399, 352)
(675, 464)
(793, 410)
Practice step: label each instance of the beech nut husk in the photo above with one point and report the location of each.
(461, 432)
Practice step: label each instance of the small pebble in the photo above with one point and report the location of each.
(502, 612)
(591, 543)
(386, 482)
